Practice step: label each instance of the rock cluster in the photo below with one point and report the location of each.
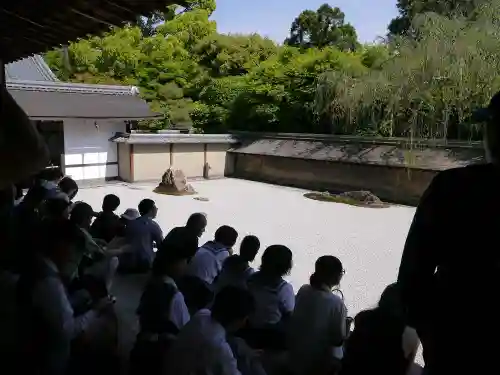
(174, 182)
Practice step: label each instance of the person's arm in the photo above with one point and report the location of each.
(287, 300)
(50, 297)
(224, 361)
(156, 233)
(410, 346)
(338, 327)
(419, 260)
(179, 313)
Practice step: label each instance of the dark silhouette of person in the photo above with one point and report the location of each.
(450, 269)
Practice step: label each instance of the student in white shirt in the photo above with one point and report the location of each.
(49, 321)
(236, 269)
(318, 326)
(162, 310)
(274, 299)
(207, 262)
(143, 234)
(202, 347)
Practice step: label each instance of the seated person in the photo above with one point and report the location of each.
(162, 311)
(49, 180)
(381, 342)
(274, 299)
(49, 322)
(318, 326)
(91, 259)
(69, 187)
(143, 234)
(106, 225)
(236, 269)
(195, 227)
(120, 240)
(202, 347)
(207, 262)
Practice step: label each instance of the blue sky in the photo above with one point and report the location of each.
(273, 18)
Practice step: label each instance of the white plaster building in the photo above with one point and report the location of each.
(77, 120)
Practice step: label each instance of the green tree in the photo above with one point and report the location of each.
(322, 28)
(409, 9)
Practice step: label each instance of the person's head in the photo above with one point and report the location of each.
(391, 301)
(197, 223)
(232, 307)
(110, 203)
(69, 187)
(328, 272)
(174, 254)
(57, 239)
(34, 197)
(52, 174)
(226, 236)
(235, 265)
(277, 261)
(147, 207)
(490, 117)
(56, 208)
(249, 248)
(82, 215)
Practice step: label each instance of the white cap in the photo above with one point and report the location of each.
(130, 214)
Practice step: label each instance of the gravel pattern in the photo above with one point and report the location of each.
(368, 241)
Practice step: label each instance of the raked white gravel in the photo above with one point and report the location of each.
(369, 242)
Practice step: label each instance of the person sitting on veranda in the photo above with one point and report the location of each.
(381, 342)
(120, 240)
(318, 326)
(162, 310)
(107, 224)
(49, 324)
(49, 180)
(207, 262)
(195, 227)
(236, 269)
(143, 234)
(274, 299)
(69, 187)
(91, 259)
(202, 345)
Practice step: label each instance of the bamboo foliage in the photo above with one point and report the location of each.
(427, 88)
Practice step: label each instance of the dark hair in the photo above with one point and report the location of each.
(145, 206)
(55, 207)
(66, 185)
(249, 248)
(391, 301)
(235, 264)
(327, 271)
(197, 293)
(226, 236)
(177, 246)
(59, 231)
(110, 203)
(276, 261)
(50, 174)
(232, 304)
(81, 212)
(196, 220)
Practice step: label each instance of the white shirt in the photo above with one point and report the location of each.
(318, 322)
(207, 262)
(51, 301)
(271, 303)
(179, 313)
(201, 348)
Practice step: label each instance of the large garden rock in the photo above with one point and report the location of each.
(174, 182)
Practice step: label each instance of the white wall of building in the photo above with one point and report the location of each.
(88, 153)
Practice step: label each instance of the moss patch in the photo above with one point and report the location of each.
(327, 197)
